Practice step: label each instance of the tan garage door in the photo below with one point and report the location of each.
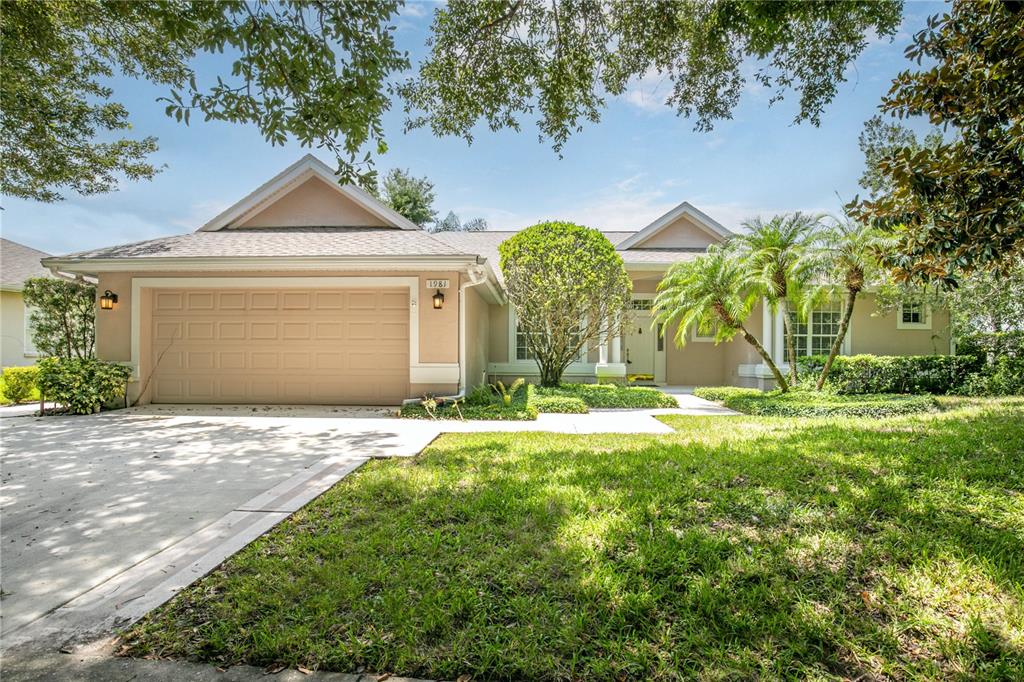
(280, 346)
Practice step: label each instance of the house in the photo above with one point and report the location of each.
(17, 264)
(307, 291)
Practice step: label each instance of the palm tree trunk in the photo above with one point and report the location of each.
(837, 343)
(789, 320)
(752, 340)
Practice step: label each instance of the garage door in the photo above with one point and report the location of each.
(283, 346)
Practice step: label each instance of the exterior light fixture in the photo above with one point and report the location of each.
(108, 300)
(438, 300)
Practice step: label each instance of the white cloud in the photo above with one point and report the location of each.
(649, 92)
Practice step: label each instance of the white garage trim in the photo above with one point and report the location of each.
(418, 373)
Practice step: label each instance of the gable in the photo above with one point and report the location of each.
(682, 233)
(313, 203)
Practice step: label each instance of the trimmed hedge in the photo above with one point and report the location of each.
(612, 396)
(815, 404)
(1003, 377)
(562, 404)
(720, 394)
(82, 386)
(19, 383)
(859, 374)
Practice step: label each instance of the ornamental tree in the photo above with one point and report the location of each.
(569, 289)
(958, 206)
(412, 197)
(63, 317)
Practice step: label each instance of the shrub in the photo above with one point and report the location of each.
(481, 403)
(859, 374)
(82, 386)
(19, 383)
(816, 404)
(720, 394)
(1003, 377)
(562, 404)
(611, 396)
(995, 344)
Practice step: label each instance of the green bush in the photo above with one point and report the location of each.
(82, 386)
(477, 405)
(818, 404)
(996, 344)
(1004, 377)
(857, 374)
(19, 382)
(562, 404)
(720, 394)
(611, 396)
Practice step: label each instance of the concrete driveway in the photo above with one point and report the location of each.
(104, 517)
(85, 499)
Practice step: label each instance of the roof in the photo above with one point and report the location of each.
(290, 242)
(486, 244)
(18, 263)
(699, 218)
(291, 177)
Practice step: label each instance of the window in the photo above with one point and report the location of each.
(914, 315)
(523, 352)
(816, 335)
(697, 335)
(642, 304)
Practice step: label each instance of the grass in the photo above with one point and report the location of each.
(528, 401)
(734, 548)
(807, 403)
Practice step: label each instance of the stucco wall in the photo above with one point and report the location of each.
(12, 330)
(683, 233)
(879, 335)
(477, 337)
(497, 343)
(314, 203)
(439, 329)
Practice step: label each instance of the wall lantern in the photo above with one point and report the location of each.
(438, 300)
(108, 300)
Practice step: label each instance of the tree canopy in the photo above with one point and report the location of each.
(496, 61)
(569, 289)
(63, 317)
(313, 72)
(324, 73)
(452, 223)
(411, 196)
(958, 205)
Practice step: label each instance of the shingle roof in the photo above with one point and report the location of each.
(18, 263)
(486, 244)
(285, 242)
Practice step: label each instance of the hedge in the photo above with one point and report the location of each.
(82, 386)
(19, 383)
(1003, 377)
(858, 374)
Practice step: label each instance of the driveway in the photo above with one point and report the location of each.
(105, 517)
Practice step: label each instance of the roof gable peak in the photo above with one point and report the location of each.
(706, 223)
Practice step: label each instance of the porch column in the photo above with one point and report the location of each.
(616, 349)
(602, 351)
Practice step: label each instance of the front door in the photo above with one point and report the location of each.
(640, 339)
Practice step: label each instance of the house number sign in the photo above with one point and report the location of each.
(437, 284)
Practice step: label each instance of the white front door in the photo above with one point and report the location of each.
(640, 340)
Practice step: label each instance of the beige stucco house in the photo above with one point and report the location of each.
(306, 291)
(17, 264)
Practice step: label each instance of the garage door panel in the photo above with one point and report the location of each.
(281, 346)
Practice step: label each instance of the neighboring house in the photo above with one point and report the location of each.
(17, 264)
(306, 291)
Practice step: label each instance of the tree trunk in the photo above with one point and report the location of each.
(752, 340)
(789, 319)
(844, 324)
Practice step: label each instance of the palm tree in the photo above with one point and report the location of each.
(846, 259)
(775, 251)
(714, 294)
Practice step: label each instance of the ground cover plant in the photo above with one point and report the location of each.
(819, 404)
(610, 396)
(734, 548)
(483, 402)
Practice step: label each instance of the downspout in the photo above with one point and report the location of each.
(475, 276)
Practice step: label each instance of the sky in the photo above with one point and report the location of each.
(640, 161)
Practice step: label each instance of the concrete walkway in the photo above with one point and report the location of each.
(105, 517)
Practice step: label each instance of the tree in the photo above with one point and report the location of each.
(315, 72)
(880, 140)
(496, 61)
(451, 223)
(410, 196)
(569, 288)
(775, 252)
(957, 206)
(713, 294)
(63, 317)
(846, 260)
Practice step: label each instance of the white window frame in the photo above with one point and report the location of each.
(926, 314)
(808, 335)
(513, 355)
(695, 335)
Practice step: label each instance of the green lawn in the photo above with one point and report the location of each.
(735, 548)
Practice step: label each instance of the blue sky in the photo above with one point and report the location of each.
(639, 162)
